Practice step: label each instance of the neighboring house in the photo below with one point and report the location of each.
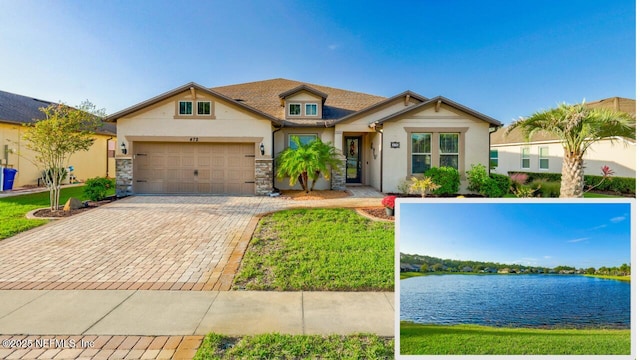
(16, 110)
(224, 140)
(544, 153)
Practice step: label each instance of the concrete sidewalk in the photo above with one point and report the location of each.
(154, 312)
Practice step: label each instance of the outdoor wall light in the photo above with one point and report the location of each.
(123, 148)
(261, 149)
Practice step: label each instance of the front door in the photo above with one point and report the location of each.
(354, 159)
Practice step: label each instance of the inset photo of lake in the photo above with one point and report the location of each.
(515, 277)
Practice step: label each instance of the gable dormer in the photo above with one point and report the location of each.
(302, 102)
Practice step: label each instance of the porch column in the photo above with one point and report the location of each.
(264, 176)
(338, 177)
(124, 177)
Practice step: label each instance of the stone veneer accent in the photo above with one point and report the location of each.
(124, 177)
(264, 176)
(338, 178)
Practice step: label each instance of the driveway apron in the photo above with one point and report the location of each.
(137, 243)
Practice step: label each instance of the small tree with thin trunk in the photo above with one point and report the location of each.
(63, 132)
(577, 127)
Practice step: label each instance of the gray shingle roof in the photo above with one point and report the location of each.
(19, 109)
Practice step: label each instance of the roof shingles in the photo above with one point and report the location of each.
(265, 96)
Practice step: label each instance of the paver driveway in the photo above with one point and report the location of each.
(143, 242)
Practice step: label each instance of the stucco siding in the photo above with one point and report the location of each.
(619, 155)
(473, 147)
(87, 164)
(361, 123)
(158, 121)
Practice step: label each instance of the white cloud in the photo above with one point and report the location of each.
(578, 240)
(618, 219)
(548, 257)
(333, 46)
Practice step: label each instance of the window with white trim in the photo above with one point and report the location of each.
(310, 109)
(420, 152)
(493, 159)
(295, 109)
(543, 158)
(185, 108)
(449, 149)
(304, 139)
(525, 158)
(204, 107)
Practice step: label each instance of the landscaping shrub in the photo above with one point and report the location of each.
(546, 189)
(96, 188)
(446, 177)
(620, 185)
(482, 183)
(502, 181)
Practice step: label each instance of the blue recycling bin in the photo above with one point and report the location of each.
(8, 175)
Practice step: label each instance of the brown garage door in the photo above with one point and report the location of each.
(193, 168)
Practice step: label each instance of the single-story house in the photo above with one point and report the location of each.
(16, 110)
(544, 153)
(224, 140)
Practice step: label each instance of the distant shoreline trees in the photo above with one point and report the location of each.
(425, 263)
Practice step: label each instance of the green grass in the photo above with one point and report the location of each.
(13, 209)
(278, 346)
(418, 339)
(410, 274)
(611, 277)
(319, 249)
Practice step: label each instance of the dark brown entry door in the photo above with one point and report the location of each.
(354, 159)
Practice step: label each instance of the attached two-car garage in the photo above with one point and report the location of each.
(193, 168)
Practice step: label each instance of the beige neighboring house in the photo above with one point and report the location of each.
(544, 153)
(224, 140)
(16, 110)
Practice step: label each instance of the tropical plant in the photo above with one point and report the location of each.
(305, 162)
(64, 131)
(423, 185)
(518, 187)
(578, 127)
(446, 177)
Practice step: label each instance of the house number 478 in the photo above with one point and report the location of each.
(193, 139)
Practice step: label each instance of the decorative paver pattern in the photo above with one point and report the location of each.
(147, 243)
(143, 242)
(99, 347)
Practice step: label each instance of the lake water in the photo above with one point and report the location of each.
(516, 301)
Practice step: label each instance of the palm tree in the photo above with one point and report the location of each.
(305, 162)
(577, 127)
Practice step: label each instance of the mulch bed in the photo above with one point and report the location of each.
(379, 213)
(314, 195)
(48, 213)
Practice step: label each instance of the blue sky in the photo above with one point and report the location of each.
(535, 234)
(503, 58)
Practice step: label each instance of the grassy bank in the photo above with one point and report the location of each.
(277, 346)
(612, 277)
(418, 339)
(319, 249)
(14, 208)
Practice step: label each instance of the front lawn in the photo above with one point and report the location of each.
(278, 346)
(319, 249)
(419, 339)
(13, 209)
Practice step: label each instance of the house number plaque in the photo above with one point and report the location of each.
(395, 145)
(193, 139)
